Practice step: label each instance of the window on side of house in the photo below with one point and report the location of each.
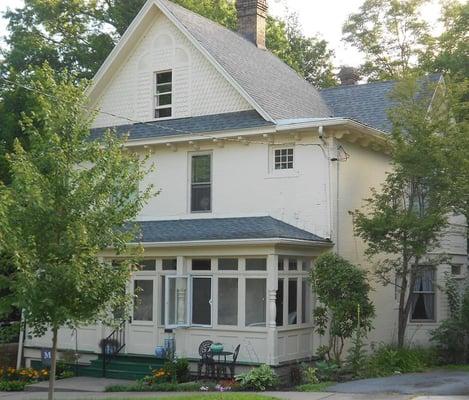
(283, 158)
(163, 94)
(201, 183)
(423, 296)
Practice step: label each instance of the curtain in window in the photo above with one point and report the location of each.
(424, 293)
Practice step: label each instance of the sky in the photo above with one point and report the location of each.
(316, 17)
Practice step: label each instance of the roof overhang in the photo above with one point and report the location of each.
(236, 242)
(340, 128)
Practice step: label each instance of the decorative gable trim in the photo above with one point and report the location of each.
(132, 36)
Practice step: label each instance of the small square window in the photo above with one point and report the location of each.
(280, 263)
(283, 159)
(292, 264)
(169, 264)
(201, 264)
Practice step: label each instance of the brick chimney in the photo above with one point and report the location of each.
(252, 16)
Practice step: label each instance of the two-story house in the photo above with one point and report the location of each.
(258, 171)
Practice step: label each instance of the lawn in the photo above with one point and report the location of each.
(214, 396)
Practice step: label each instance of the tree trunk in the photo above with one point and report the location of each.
(53, 364)
(402, 317)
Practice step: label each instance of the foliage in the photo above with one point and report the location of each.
(175, 371)
(225, 396)
(389, 360)
(309, 374)
(401, 221)
(357, 355)
(260, 378)
(9, 333)
(142, 386)
(340, 287)
(314, 387)
(12, 386)
(391, 34)
(452, 335)
(69, 199)
(327, 371)
(23, 374)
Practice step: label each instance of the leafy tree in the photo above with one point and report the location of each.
(69, 199)
(341, 289)
(391, 34)
(402, 220)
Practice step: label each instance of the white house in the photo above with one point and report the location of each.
(258, 171)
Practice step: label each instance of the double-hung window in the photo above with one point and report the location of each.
(201, 183)
(423, 296)
(163, 94)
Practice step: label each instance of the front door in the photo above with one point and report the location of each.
(142, 330)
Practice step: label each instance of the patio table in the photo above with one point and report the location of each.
(220, 366)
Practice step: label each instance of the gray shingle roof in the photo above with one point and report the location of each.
(278, 90)
(368, 103)
(221, 229)
(183, 126)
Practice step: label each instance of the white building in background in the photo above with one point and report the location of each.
(258, 172)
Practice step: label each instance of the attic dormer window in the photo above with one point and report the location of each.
(163, 94)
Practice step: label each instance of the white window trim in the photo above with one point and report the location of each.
(189, 181)
(192, 277)
(138, 322)
(166, 301)
(281, 173)
(155, 95)
(433, 320)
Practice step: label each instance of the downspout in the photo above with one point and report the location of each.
(329, 182)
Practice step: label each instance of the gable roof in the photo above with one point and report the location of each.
(190, 125)
(369, 103)
(273, 89)
(188, 230)
(272, 84)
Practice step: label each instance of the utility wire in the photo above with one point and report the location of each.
(153, 124)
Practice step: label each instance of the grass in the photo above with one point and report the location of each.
(314, 387)
(215, 396)
(454, 367)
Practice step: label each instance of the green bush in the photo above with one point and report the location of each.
(314, 387)
(177, 369)
(9, 333)
(388, 360)
(12, 386)
(259, 379)
(327, 371)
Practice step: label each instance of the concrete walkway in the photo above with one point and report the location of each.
(449, 383)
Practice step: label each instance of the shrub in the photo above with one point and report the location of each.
(309, 375)
(341, 287)
(141, 386)
(259, 379)
(388, 360)
(327, 371)
(12, 386)
(314, 387)
(451, 338)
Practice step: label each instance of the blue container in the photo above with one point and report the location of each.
(160, 352)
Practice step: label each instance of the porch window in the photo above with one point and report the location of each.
(147, 265)
(201, 264)
(423, 296)
(201, 183)
(201, 300)
(227, 264)
(305, 301)
(292, 301)
(279, 303)
(143, 302)
(255, 302)
(228, 301)
(176, 295)
(169, 264)
(256, 264)
(163, 94)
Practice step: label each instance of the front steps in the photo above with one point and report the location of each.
(122, 366)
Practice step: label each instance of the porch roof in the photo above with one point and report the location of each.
(215, 229)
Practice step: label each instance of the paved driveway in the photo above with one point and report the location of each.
(429, 383)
